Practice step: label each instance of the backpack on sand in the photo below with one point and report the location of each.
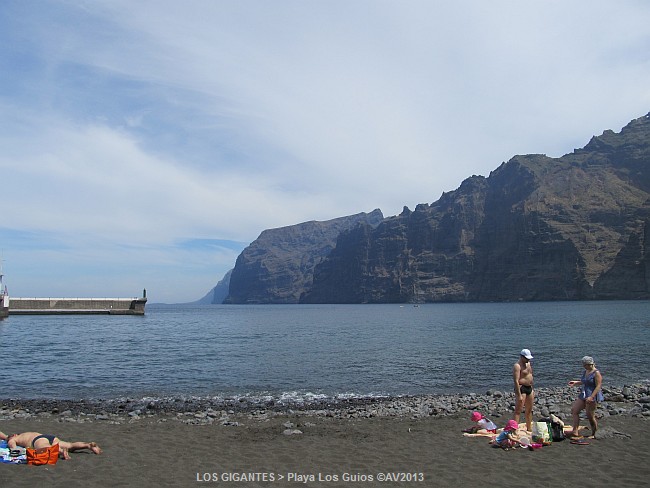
(557, 428)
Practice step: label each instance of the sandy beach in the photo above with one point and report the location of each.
(165, 450)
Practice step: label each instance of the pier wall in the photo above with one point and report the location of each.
(53, 306)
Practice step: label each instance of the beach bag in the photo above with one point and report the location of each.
(557, 432)
(43, 455)
(542, 432)
(557, 428)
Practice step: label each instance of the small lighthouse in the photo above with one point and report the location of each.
(4, 296)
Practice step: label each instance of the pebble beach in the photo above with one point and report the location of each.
(402, 441)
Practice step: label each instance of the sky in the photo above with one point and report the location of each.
(145, 144)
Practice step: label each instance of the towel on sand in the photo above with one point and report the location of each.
(19, 457)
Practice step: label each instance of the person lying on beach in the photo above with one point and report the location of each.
(508, 437)
(484, 426)
(36, 440)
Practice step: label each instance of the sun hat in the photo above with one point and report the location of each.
(526, 353)
(587, 360)
(512, 425)
(476, 416)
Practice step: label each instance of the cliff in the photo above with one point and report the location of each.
(217, 294)
(538, 228)
(278, 266)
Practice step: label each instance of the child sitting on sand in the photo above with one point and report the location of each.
(508, 437)
(484, 426)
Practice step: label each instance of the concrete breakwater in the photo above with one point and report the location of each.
(60, 306)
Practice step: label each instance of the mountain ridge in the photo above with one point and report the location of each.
(278, 266)
(537, 228)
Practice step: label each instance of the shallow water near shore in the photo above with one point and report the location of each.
(304, 352)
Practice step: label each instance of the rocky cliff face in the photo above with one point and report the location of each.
(538, 228)
(278, 266)
(217, 294)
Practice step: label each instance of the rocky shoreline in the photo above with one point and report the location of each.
(628, 400)
(180, 442)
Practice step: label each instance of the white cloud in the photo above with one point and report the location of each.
(129, 127)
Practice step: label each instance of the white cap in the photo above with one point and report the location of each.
(526, 353)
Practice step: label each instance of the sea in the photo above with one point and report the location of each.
(300, 353)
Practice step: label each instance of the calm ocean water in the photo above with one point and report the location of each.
(305, 351)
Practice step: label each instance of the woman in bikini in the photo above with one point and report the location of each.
(589, 398)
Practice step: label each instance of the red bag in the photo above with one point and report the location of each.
(43, 455)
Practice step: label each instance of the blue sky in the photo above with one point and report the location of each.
(146, 143)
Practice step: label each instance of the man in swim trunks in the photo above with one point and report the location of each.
(36, 440)
(522, 375)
